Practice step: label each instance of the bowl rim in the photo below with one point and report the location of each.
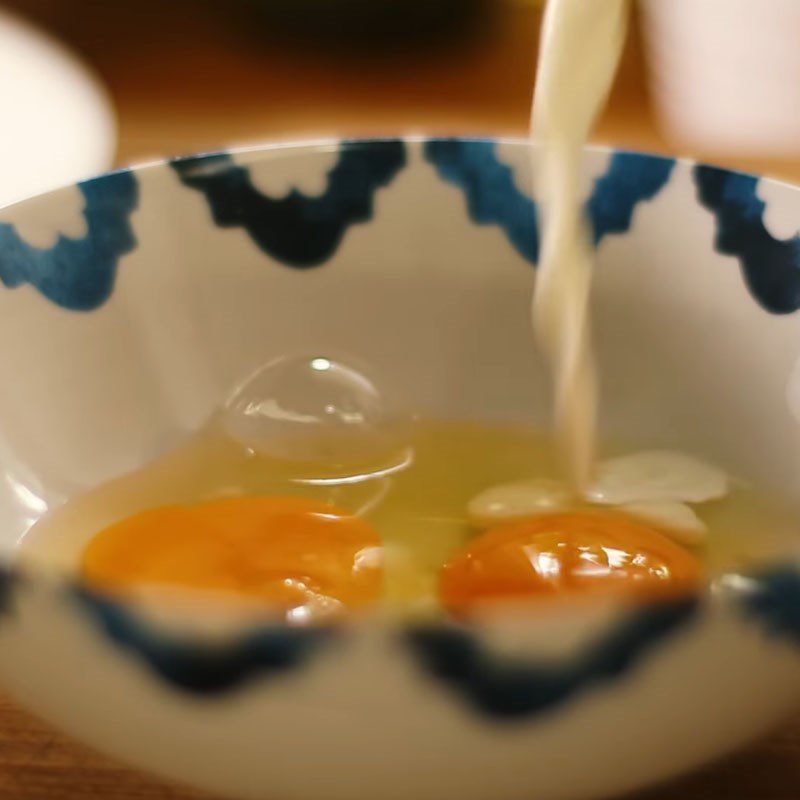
(318, 143)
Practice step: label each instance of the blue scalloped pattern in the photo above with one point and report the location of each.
(493, 198)
(297, 230)
(7, 582)
(77, 273)
(199, 667)
(631, 178)
(776, 602)
(770, 266)
(500, 687)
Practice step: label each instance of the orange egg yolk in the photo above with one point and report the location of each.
(304, 557)
(581, 552)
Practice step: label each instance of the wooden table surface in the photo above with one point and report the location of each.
(189, 75)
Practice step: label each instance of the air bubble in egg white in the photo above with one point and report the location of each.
(314, 409)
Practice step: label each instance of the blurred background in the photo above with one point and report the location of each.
(189, 75)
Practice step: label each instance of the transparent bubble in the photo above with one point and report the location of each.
(314, 409)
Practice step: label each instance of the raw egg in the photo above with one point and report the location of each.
(304, 557)
(558, 554)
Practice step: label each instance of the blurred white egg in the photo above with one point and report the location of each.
(677, 520)
(511, 501)
(656, 475)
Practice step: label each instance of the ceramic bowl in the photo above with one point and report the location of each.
(130, 306)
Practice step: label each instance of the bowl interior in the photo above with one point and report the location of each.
(133, 304)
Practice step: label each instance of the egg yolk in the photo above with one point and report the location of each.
(581, 552)
(304, 557)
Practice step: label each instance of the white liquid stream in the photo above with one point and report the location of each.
(581, 43)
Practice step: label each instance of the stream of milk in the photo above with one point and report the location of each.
(581, 43)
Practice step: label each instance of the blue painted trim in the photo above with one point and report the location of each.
(770, 266)
(77, 274)
(199, 667)
(297, 230)
(513, 688)
(493, 198)
(775, 602)
(8, 582)
(631, 178)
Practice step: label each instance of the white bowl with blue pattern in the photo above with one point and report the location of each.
(130, 306)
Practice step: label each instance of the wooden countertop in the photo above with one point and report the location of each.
(191, 75)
